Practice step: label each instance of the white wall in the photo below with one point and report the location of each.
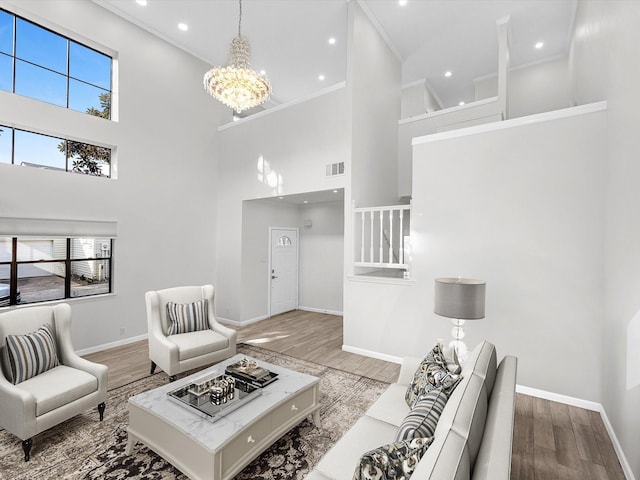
(164, 198)
(322, 257)
(605, 65)
(536, 88)
(521, 208)
(280, 153)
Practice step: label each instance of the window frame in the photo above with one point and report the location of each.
(67, 260)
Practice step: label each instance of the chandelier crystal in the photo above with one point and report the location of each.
(237, 85)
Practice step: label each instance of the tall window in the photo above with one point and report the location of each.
(21, 147)
(41, 269)
(41, 64)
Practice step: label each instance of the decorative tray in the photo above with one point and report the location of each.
(248, 371)
(214, 395)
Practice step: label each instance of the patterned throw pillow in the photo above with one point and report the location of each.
(423, 418)
(187, 317)
(395, 461)
(32, 354)
(431, 373)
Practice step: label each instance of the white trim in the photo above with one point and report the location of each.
(242, 323)
(624, 463)
(321, 310)
(107, 346)
(405, 282)
(58, 227)
(589, 405)
(516, 122)
(556, 397)
(376, 24)
(420, 81)
(372, 354)
(437, 113)
(282, 106)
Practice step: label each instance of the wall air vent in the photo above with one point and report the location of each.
(334, 169)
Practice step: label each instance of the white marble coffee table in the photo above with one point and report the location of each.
(218, 450)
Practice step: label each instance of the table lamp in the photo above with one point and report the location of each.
(459, 299)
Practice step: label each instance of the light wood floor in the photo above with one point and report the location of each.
(552, 441)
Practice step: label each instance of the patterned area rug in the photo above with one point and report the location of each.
(84, 448)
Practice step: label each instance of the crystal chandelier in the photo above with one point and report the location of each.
(237, 85)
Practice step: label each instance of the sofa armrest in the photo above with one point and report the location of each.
(18, 411)
(408, 369)
(494, 457)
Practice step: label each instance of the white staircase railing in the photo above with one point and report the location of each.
(381, 236)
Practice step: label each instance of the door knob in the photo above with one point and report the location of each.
(273, 277)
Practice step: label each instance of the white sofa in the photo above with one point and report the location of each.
(473, 437)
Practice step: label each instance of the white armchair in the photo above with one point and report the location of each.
(49, 398)
(177, 353)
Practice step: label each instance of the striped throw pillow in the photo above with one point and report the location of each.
(187, 317)
(32, 354)
(423, 418)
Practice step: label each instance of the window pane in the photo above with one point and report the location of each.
(40, 46)
(6, 73)
(5, 249)
(89, 99)
(41, 282)
(35, 149)
(41, 84)
(89, 277)
(89, 159)
(89, 66)
(33, 249)
(90, 248)
(6, 32)
(5, 144)
(5, 287)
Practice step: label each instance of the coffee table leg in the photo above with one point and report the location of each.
(315, 418)
(131, 441)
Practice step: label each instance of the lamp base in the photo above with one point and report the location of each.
(457, 346)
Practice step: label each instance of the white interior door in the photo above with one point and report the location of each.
(284, 270)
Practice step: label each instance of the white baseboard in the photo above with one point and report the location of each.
(556, 397)
(372, 354)
(241, 323)
(588, 405)
(106, 346)
(321, 310)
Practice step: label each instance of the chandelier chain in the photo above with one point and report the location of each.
(240, 18)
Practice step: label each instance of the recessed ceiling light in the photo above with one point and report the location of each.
(142, 2)
(447, 74)
(183, 26)
(320, 77)
(539, 45)
(461, 103)
(280, 198)
(332, 41)
(262, 72)
(335, 191)
(402, 3)
(306, 201)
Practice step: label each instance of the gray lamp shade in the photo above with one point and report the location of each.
(461, 298)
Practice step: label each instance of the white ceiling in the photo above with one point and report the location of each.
(289, 38)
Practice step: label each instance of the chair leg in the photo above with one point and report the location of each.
(101, 408)
(153, 367)
(26, 446)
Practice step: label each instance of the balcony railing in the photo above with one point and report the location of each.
(381, 236)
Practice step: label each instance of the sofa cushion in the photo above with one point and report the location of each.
(424, 416)
(59, 386)
(390, 407)
(187, 317)
(447, 458)
(394, 461)
(31, 354)
(366, 434)
(195, 344)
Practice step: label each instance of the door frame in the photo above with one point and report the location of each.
(297, 230)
